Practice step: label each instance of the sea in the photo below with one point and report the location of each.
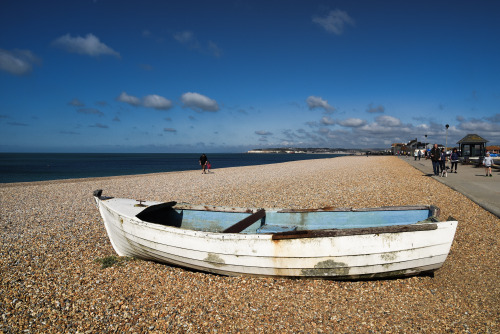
(31, 167)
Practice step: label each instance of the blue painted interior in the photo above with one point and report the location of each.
(212, 221)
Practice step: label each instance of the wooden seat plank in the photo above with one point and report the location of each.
(244, 223)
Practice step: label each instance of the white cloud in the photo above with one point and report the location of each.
(199, 102)
(388, 121)
(317, 102)
(17, 62)
(376, 128)
(89, 45)
(334, 22)
(156, 102)
(487, 127)
(352, 122)
(263, 133)
(149, 101)
(422, 127)
(478, 126)
(132, 100)
(325, 120)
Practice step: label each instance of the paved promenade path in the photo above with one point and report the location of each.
(469, 180)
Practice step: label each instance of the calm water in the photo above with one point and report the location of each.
(28, 167)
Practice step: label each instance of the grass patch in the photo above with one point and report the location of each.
(112, 260)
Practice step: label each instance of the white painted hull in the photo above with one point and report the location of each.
(333, 257)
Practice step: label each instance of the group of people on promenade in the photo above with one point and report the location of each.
(439, 158)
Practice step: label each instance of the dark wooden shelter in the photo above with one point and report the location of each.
(472, 145)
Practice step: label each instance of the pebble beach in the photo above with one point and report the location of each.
(53, 246)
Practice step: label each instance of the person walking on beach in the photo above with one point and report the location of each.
(435, 156)
(203, 162)
(415, 154)
(419, 155)
(488, 162)
(454, 160)
(209, 165)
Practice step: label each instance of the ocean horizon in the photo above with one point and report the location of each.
(32, 167)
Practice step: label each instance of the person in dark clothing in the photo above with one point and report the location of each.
(203, 162)
(454, 160)
(442, 161)
(435, 157)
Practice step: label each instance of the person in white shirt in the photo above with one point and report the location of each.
(488, 162)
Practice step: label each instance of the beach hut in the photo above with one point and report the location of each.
(472, 146)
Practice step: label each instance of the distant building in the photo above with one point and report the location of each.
(412, 145)
(493, 149)
(399, 148)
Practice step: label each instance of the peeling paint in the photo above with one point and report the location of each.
(327, 268)
(389, 256)
(215, 260)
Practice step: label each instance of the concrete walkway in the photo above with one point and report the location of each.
(469, 180)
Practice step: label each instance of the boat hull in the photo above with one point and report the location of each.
(324, 255)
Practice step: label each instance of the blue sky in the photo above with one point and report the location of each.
(229, 76)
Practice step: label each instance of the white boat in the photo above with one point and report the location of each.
(320, 243)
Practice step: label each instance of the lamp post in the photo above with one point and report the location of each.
(426, 142)
(447, 126)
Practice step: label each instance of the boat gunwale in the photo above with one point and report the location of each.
(431, 223)
(434, 210)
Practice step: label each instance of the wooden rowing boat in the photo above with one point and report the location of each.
(321, 243)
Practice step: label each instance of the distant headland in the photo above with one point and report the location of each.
(344, 151)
